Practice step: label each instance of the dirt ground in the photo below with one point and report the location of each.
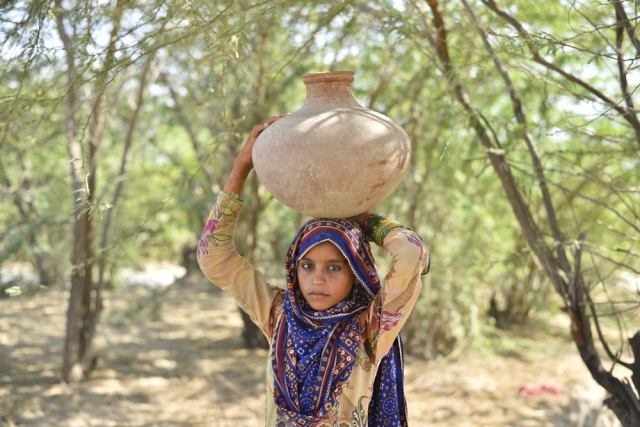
(174, 358)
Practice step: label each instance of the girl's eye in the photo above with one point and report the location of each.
(334, 268)
(306, 266)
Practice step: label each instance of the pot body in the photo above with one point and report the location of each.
(332, 158)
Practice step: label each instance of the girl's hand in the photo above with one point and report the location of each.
(244, 162)
(362, 218)
(245, 158)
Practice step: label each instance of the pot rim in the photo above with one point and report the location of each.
(328, 77)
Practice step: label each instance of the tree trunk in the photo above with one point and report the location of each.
(84, 307)
(253, 336)
(623, 401)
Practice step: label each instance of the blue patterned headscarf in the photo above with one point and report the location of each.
(314, 351)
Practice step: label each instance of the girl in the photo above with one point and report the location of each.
(336, 358)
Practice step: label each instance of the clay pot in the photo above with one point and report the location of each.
(332, 157)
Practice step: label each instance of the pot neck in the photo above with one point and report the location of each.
(330, 88)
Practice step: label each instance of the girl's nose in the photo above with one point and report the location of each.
(318, 278)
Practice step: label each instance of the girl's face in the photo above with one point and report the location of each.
(324, 276)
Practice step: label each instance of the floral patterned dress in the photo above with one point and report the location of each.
(400, 289)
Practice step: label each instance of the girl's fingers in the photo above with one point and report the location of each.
(274, 118)
(257, 129)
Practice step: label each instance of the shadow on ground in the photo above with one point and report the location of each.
(175, 358)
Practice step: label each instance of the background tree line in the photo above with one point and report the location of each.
(119, 122)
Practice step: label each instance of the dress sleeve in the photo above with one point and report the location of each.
(398, 293)
(225, 267)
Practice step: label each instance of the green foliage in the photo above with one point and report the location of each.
(13, 291)
(217, 68)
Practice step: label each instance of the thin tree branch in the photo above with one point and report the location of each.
(605, 345)
(123, 164)
(622, 18)
(31, 56)
(563, 188)
(629, 116)
(527, 137)
(622, 67)
(628, 236)
(496, 155)
(197, 148)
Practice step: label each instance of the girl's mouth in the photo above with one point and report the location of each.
(317, 295)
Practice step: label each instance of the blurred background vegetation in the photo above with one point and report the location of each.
(124, 118)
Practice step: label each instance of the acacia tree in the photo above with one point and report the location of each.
(128, 57)
(546, 234)
(93, 74)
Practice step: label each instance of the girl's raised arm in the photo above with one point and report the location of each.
(400, 287)
(217, 254)
(244, 162)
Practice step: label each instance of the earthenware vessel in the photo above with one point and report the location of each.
(333, 157)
